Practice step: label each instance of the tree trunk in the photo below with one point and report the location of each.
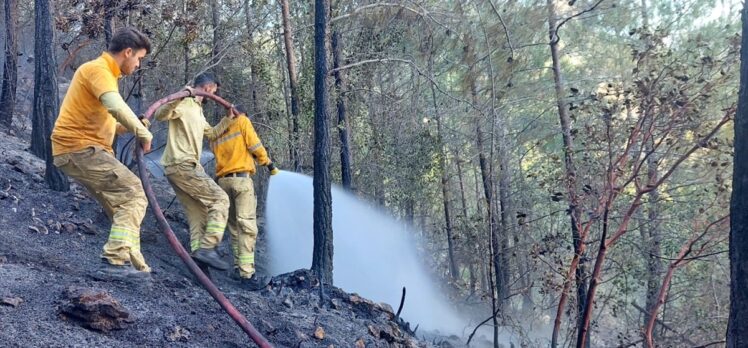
(186, 47)
(465, 221)
(500, 292)
(565, 122)
(323, 244)
(524, 265)
(293, 81)
(343, 124)
(108, 23)
(493, 231)
(286, 96)
(498, 233)
(254, 107)
(376, 146)
(652, 237)
(410, 211)
(477, 188)
(446, 201)
(737, 330)
(215, 22)
(445, 189)
(10, 72)
(46, 97)
(463, 199)
(506, 206)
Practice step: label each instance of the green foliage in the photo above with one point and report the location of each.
(472, 64)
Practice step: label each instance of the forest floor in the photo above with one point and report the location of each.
(50, 242)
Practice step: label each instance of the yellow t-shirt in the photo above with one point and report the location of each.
(83, 120)
(237, 149)
(187, 127)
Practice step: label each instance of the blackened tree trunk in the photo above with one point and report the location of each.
(498, 291)
(323, 247)
(446, 200)
(215, 58)
(186, 59)
(10, 72)
(108, 22)
(496, 296)
(46, 97)
(186, 47)
(254, 108)
(293, 82)
(463, 199)
(737, 330)
(343, 124)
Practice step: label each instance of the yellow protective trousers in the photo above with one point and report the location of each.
(205, 204)
(242, 222)
(119, 192)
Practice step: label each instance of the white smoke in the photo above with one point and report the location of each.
(374, 255)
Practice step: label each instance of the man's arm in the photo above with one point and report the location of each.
(254, 144)
(212, 133)
(116, 106)
(120, 129)
(167, 112)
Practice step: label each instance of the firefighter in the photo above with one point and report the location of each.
(91, 113)
(235, 152)
(206, 205)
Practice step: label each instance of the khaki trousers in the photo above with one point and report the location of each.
(205, 204)
(120, 193)
(242, 222)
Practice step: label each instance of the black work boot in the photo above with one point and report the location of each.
(257, 282)
(211, 258)
(110, 272)
(204, 267)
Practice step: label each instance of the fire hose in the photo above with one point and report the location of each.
(172, 238)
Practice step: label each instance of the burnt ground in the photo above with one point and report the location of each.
(50, 241)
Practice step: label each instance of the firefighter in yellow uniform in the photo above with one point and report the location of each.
(235, 152)
(90, 115)
(205, 204)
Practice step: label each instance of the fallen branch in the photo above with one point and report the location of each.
(402, 302)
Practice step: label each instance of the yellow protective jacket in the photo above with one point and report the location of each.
(84, 120)
(187, 127)
(237, 149)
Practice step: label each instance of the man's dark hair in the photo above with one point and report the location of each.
(205, 79)
(240, 108)
(129, 37)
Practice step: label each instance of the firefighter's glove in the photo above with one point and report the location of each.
(273, 170)
(144, 121)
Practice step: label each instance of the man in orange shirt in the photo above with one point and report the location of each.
(235, 152)
(91, 114)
